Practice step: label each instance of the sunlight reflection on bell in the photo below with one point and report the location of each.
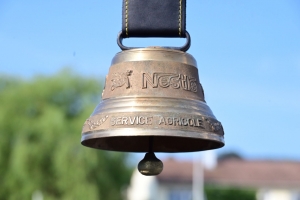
(153, 94)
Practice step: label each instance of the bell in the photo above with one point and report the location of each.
(153, 102)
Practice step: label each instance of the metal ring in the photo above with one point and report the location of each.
(184, 48)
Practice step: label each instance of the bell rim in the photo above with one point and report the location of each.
(216, 139)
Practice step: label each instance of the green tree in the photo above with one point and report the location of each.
(40, 150)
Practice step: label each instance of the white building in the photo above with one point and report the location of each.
(273, 180)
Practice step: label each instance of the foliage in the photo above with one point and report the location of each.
(229, 193)
(229, 155)
(40, 150)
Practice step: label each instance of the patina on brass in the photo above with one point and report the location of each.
(153, 92)
(150, 165)
(153, 102)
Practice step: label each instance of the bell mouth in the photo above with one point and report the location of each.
(168, 141)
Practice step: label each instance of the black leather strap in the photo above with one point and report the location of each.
(154, 18)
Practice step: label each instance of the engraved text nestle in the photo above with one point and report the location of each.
(165, 80)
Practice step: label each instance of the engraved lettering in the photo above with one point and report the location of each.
(180, 122)
(150, 80)
(193, 85)
(161, 120)
(119, 121)
(188, 121)
(165, 80)
(191, 122)
(176, 121)
(170, 120)
(112, 121)
(124, 120)
(185, 122)
(94, 124)
(175, 82)
(149, 120)
(131, 121)
(199, 123)
(141, 120)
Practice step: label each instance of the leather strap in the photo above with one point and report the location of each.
(154, 18)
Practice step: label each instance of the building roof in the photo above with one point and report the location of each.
(176, 171)
(238, 173)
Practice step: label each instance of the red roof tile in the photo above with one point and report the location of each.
(240, 173)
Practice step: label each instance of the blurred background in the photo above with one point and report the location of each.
(53, 60)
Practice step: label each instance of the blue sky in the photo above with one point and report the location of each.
(248, 55)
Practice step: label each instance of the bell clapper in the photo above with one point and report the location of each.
(150, 165)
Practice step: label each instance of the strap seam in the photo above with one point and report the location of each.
(179, 18)
(126, 17)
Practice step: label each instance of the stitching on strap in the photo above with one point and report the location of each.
(179, 18)
(126, 17)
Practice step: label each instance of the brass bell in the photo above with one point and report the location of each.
(153, 102)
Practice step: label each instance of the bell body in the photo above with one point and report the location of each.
(153, 92)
